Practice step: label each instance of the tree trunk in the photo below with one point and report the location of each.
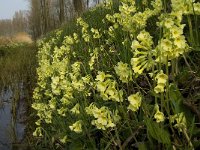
(62, 11)
(78, 6)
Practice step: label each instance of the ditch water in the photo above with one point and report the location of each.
(12, 118)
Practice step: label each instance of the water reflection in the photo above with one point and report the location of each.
(12, 113)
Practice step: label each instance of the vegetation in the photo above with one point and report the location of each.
(123, 76)
(18, 66)
(46, 15)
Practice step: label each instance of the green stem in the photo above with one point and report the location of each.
(188, 139)
(167, 89)
(118, 139)
(190, 30)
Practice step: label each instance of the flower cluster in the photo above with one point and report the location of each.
(96, 34)
(107, 87)
(186, 6)
(88, 74)
(94, 56)
(143, 52)
(85, 26)
(173, 43)
(124, 72)
(161, 82)
(104, 117)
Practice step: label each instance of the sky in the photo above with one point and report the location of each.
(8, 7)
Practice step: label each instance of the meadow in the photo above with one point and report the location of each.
(124, 75)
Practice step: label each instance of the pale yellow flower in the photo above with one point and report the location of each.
(135, 101)
(159, 88)
(76, 109)
(161, 78)
(76, 127)
(159, 116)
(179, 120)
(176, 31)
(101, 76)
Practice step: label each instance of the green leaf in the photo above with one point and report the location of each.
(157, 132)
(76, 145)
(142, 146)
(175, 97)
(177, 101)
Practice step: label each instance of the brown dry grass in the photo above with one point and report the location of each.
(5, 40)
(20, 37)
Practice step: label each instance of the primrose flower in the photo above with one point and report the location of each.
(68, 40)
(76, 67)
(159, 88)
(107, 89)
(76, 109)
(168, 23)
(38, 132)
(52, 103)
(161, 82)
(76, 127)
(166, 45)
(86, 37)
(62, 111)
(176, 31)
(108, 4)
(179, 120)
(94, 56)
(157, 5)
(78, 85)
(104, 118)
(143, 53)
(110, 18)
(135, 101)
(145, 38)
(161, 77)
(96, 33)
(159, 116)
(180, 42)
(138, 69)
(135, 45)
(101, 76)
(197, 8)
(75, 36)
(101, 86)
(63, 139)
(124, 72)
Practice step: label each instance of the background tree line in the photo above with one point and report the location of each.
(19, 23)
(44, 16)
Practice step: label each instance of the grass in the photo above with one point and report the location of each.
(17, 64)
(18, 67)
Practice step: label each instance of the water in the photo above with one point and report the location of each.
(12, 125)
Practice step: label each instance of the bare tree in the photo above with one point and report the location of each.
(78, 6)
(35, 19)
(62, 11)
(46, 15)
